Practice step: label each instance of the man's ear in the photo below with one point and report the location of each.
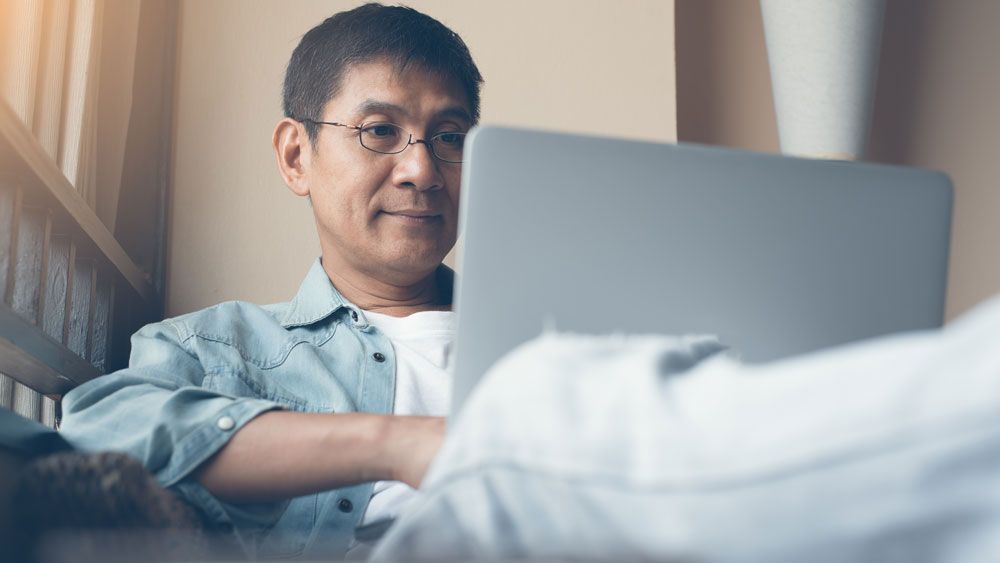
(293, 151)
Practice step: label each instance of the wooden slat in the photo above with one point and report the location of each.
(6, 389)
(8, 197)
(79, 311)
(49, 412)
(15, 221)
(100, 324)
(30, 257)
(22, 157)
(43, 279)
(27, 402)
(51, 74)
(54, 308)
(56, 284)
(70, 279)
(92, 314)
(22, 30)
(36, 360)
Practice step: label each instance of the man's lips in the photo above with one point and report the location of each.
(414, 216)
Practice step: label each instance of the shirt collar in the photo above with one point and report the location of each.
(317, 299)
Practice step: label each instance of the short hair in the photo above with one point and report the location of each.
(400, 34)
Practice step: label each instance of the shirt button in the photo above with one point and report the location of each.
(345, 505)
(379, 357)
(354, 315)
(226, 423)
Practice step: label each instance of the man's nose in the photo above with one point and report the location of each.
(418, 168)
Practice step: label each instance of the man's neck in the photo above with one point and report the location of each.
(377, 294)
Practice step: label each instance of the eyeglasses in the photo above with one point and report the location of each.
(389, 138)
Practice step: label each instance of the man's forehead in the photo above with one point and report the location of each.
(384, 87)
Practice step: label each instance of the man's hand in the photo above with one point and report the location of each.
(412, 443)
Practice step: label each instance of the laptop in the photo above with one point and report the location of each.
(776, 255)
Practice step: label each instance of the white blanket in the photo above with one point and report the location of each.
(661, 448)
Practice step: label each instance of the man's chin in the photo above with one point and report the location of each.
(415, 261)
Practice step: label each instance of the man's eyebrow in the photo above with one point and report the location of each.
(457, 112)
(376, 106)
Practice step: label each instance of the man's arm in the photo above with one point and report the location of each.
(157, 411)
(280, 455)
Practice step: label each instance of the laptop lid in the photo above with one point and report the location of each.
(775, 255)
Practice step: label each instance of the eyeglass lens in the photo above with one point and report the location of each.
(389, 138)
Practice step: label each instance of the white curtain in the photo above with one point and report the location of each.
(67, 68)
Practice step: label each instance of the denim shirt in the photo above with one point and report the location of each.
(195, 380)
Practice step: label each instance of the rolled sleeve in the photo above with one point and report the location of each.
(156, 411)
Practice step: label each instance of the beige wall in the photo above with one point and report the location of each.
(235, 232)
(936, 107)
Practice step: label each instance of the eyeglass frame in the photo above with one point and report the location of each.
(409, 142)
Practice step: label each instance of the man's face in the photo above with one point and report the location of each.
(389, 215)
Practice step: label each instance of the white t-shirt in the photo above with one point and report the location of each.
(423, 344)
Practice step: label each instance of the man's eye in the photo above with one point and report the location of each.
(381, 130)
(451, 138)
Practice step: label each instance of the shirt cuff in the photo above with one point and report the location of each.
(214, 433)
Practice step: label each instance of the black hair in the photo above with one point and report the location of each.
(399, 34)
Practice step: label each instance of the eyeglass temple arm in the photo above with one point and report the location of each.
(307, 120)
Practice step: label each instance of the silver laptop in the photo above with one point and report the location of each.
(775, 255)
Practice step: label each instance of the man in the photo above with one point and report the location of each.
(239, 408)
